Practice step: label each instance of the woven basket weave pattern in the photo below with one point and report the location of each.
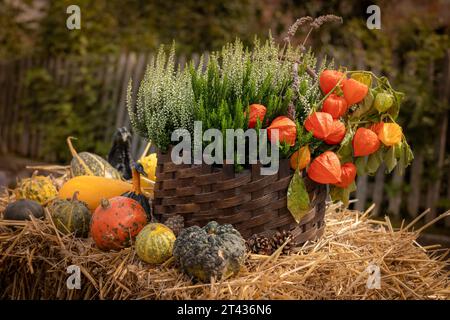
(252, 203)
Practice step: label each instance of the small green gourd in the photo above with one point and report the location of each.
(71, 216)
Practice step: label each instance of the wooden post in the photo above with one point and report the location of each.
(378, 190)
(435, 188)
(121, 108)
(361, 192)
(396, 200)
(414, 195)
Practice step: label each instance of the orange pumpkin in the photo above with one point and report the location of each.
(116, 222)
(354, 91)
(257, 111)
(287, 130)
(365, 142)
(320, 124)
(337, 133)
(329, 79)
(300, 158)
(326, 168)
(348, 175)
(335, 105)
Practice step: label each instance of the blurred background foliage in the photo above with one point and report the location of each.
(410, 48)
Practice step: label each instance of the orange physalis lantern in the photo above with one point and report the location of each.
(326, 168)
(376, 127)
(329, 79)
(390, 134)
(335, 105)
(354, 91)
(287, 130)
(348, 175)
(320, 124)
(300, 158)
(257, 111)
(365, 142)
(337, 133)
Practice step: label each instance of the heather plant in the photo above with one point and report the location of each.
(164, 101)
(219, 89)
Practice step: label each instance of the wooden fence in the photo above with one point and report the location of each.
(392, 194)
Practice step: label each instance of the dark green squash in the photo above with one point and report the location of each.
(136, 194)
(90, 164)
(22, 209)
(71, 216)
(214, 251)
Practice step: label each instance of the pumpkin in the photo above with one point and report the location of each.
(326, 168)
(287, 130)
(71, 216)
(348, 175)
(300, 158)
(93, 189)
(337, 133)
(37, 188)
(329, 79)
(22, 210)
(154, 243)
(257, 111)
(335, 105)
(214, 251)
(390, 134)
(136, 194)
(319, 124)
(365, 142)
(86, 163)
(116, 222)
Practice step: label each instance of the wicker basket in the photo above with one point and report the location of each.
(252, 203)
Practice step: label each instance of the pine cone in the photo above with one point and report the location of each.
(175, 223)
(279, 238)
(259, 244)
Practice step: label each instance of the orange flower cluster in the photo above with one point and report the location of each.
(329, 126)
(341, 93)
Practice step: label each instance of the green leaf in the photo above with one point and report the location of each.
(374, 162)
(408, 155)
(395, 109)
(365, 106)
(390, 160)
(360, 164)
(401, 161)
(345, 150)
(297, 197)
(342, 194)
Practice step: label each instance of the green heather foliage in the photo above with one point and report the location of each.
(220, 88)
(164, 100)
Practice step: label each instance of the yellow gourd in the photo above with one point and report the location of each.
(154, 243)
(149, 165)
(37, 188)
(92, 189)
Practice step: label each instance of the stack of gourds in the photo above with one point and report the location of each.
(96, 201)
